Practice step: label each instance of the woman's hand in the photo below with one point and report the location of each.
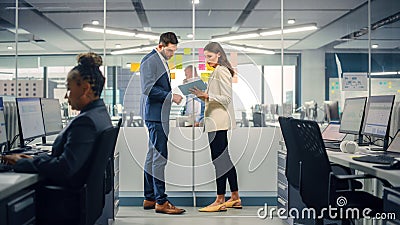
(12, 159)
(200, 94)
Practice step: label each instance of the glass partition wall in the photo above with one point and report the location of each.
(289, 58)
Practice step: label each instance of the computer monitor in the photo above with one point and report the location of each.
(51, 113)
(377, 117)
(353, 115)
(30, 120)
(3, 130)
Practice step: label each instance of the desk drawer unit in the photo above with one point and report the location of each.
(283, 189)
(21, 210)
(391, 205)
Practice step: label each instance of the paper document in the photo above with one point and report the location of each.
(197, 83)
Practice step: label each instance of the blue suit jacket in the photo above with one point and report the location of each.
(156, 95)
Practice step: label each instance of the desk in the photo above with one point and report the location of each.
(345, 159)
(17, 198)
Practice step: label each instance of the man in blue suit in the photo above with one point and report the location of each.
(156, 100)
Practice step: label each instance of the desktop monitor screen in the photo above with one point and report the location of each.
(353, 115)
(3, 132)
(377, 115)
(51, 112)
(29, 119)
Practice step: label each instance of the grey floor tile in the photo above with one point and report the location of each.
(247, 215)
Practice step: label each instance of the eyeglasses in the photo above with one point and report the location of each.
(170, 50)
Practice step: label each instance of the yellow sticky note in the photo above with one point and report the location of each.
(179, 59)
(398, 91)
(187, 51)
(333, 92)
(135, 67)
(204, 76)
(172, 76)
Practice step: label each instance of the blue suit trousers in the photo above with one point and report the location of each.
(156, 160)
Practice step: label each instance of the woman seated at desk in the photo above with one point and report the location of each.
(67, 165)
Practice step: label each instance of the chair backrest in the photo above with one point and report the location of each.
(259, 119)
(94, 193)
(293, 155)
(315, 166)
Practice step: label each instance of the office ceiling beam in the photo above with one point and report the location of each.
(243, 16)
(356, 19)
(137, 4)
(40, 26)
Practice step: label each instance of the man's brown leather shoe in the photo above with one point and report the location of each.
(149, 204)
(168, 208)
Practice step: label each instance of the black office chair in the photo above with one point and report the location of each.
(90, 197)
(294, 157)
(318, 184)
(259, 119)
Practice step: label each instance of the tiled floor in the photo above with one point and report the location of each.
(247, 215)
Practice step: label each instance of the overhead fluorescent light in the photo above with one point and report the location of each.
(385, 73)
(9, 47)
(374, 46)
(95, 22)
(264, 32)
(117, 45)
(246, 48)
(195, 2)
(291, 21)
(235, 36)
(20, 31)
(122, 32)
(291, 29)
(136, 49)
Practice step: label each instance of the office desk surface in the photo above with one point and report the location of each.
(345, 159)
(11, 183)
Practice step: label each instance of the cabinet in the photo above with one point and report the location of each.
(391, 205)
(283, 187)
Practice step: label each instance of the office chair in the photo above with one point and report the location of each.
(90, 197)
(294, 157)
(318, 184)
(259, 119)
(245, 121)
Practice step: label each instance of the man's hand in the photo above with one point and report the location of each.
(177, 98)
(12, 159)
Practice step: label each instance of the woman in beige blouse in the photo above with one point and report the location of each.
(219, 117)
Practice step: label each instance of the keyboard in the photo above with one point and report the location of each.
(5, 168)
(332, 145)
(378, 159)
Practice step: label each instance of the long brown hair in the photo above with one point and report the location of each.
(216, 48)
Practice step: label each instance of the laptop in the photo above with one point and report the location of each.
(331, 136)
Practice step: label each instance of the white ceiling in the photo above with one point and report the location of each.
(59, 25)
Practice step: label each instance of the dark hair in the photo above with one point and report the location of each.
(168, 38)
(88, 69)
(216, 48)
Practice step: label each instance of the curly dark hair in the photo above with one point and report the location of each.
(88, 69)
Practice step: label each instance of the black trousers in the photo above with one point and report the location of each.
(224, 168)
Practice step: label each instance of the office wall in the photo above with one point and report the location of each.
(313, 76)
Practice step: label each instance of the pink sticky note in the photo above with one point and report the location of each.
(201, 51)
(202, 58)
(202, 66)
